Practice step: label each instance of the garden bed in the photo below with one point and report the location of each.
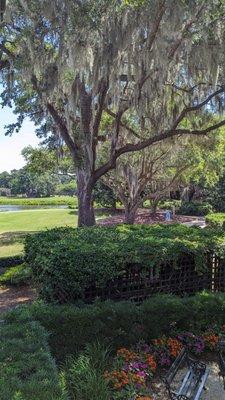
(115, 351)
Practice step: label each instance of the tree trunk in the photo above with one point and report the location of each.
(154, 205)
(86, 216)
(130, 214)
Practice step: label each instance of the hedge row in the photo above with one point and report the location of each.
(66, 261)
(122, 324)
(11, 261)
(27, 370)
(216, 220)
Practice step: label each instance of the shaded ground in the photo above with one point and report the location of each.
(145, 217)
(11, 297)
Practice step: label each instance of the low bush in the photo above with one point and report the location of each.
(122, 324)
(169, 204)
(65, 262)
(11, 261)
(195, 208)
(17, 276)
(216, 220)
(27, 370)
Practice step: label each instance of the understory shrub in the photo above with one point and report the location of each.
(17, 276)
(195, 208)
(65, 262)
(216, 220)
(122, 324)
(27, 370)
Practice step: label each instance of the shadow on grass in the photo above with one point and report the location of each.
(8, 238)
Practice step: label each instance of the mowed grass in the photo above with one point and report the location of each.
(11, 249)
(11, 223)
(39, 201)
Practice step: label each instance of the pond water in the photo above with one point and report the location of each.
(4, 208)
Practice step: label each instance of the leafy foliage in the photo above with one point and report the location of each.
(65, 262)
(216, 220)
(16, 276)
(195, 208)
(85, 377)
(104, 196)
(121, 324)
(216, 195)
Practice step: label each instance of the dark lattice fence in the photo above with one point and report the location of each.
(136, 283)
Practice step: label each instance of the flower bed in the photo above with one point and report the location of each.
(132, 372)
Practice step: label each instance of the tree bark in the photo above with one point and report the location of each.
(130, 214)
(154, 205)
(86, 216)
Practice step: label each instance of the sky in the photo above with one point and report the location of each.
(10, 147)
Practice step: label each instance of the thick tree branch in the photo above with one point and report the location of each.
(122, 124)
(131, 147)
(185, 29)
(63, 129)
(104, 84)
(159, 15)
(197, 107)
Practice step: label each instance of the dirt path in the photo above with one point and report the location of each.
(12, 297)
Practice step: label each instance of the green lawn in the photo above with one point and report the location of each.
(14, 225)
(42, 201)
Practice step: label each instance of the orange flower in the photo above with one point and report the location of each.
(174, 347)
(119, 379)
(144, 398)
(126, 354)
(211, 340)
(151, 362)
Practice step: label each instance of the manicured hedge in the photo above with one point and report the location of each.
(122, 324)
(27, 370)
(6, 262)
(66, 261)
(216, 220)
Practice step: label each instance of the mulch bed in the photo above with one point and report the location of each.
(145, 217)
(11, 297)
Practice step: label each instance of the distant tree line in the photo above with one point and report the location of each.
(23, 182)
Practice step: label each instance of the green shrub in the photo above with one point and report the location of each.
(169, 204)
(121, 324)
(216, 220)
(17, 276)
(66, 261)
(195, 208)
(27, 370)
(11, 261)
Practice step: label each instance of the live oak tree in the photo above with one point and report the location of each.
(63, 63)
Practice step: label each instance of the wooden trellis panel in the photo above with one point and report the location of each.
(138, 284)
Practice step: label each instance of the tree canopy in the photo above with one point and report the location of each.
(67, 63)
